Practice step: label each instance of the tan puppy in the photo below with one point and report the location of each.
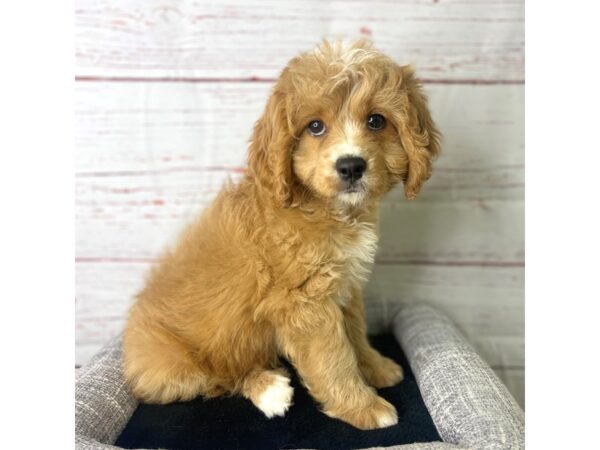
(275, 266)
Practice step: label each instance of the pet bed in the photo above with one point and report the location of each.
(449, 399)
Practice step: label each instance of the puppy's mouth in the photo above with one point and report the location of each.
(356, 187)
(353, 190)
(354, 193)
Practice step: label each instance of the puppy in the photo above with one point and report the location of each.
(275, 266)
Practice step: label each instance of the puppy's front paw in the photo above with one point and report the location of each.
(382, 372)
(380, 414)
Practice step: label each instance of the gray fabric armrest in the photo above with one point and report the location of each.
(103, 404)
(468, 403)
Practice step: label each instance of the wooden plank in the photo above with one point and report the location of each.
(116, 218)
(514, 380)
(502, 351)
(105, 290)
(148, 129)
(482, 301)
(92, 333)
(463, 233)
(150, 156)
(140, 224)
(144, 128)
(446, 41)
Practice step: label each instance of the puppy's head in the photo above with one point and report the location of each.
(344, 124)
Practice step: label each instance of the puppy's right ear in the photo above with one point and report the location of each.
(270, 155)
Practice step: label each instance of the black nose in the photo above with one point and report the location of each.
(350, 168)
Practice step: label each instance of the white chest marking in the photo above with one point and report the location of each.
(356, 256)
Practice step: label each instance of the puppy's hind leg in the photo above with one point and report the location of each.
(161, 369)
(269, 390)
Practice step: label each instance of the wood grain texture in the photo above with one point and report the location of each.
(514, 380)
(477, 40)
(450, 289)
(167, 94)
(152, 155)
(160, 152)
(498, 291)
(161, 130)
(463, 233)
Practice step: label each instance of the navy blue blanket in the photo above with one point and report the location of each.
(234, 423)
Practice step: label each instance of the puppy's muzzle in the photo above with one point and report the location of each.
(350, 169)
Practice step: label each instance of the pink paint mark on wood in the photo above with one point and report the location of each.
(116, 190)
(206, 16)
(109, 259)
(482, 169)
(431, 262)
(366, 31)
(471, 81)
(255, 79)
(473, 186)
(158, 201)
(133, 173)
(483, 205)
(127, 190)
(468, 19)
(135, 203)
(101, 319)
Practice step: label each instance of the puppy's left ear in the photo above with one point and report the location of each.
(419, 135)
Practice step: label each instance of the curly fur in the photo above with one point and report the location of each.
(275, 266)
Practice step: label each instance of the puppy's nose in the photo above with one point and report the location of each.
(350, 168)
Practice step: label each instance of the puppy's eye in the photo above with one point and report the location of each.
(376, 122)
(316, 128)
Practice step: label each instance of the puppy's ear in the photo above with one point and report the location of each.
(419, 135)
(270, 155)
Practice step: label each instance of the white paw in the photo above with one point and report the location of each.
(387, 419)
(277, 398)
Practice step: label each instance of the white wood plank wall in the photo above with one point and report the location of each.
(166, 96)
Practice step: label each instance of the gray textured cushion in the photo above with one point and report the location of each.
(469, 405)
(103, 404)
